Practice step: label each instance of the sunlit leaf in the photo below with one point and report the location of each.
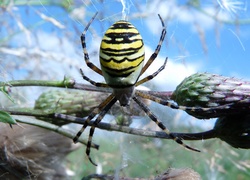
(6, 118)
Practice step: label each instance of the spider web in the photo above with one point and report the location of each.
(43, 43)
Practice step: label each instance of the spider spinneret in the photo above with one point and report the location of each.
(121, 59)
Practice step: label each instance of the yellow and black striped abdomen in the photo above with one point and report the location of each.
(121, 54)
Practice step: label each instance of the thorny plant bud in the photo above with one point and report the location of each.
(71, 102)
(80, 104)
(221, 95)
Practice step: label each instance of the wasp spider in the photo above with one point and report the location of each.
(121, 59)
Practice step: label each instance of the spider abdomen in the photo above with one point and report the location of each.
(121, 55)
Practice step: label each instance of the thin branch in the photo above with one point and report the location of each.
(71, 84)
(65, 83)
(105, 126)
(140, 132)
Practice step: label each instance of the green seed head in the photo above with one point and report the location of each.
(76, 103)
(209, 91)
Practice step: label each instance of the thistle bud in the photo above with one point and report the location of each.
(76, 103)
(214, 95)
(80, 104)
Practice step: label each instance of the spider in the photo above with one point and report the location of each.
(121, 58)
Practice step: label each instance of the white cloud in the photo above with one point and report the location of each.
(173, 73)
(182, 14)
(232, 6)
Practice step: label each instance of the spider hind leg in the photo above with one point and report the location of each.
(101, 110)
(160, 124)
(92, 129)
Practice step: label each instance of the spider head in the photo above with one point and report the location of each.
(124, 95)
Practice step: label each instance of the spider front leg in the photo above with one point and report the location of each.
(85, 52)
(97, 84)
(160, 124)
(158, 48)
(148, 78)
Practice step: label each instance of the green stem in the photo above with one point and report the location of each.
(101, 125)
(65, 83)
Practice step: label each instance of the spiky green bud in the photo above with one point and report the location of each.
(71, 102)
(212, 91)
(80, 104)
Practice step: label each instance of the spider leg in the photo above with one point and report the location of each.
(97, 84)
(85, 52)
(158, 48)
(96, 122)
(96, 111)
(157, 99)
(175, 106)
(74, 119)
(160, 124)
(148, 78)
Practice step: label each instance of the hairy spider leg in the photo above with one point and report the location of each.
(97, 84)
(158, 48)
(96, 111)
(96, 122)
(160, 124)
(148, 78)
(176, 106)
(85, 52)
